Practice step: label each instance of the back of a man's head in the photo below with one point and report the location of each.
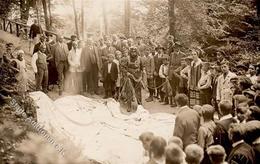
(174, 154)
(225, 107)
(216, 154)
(194, 154)
(181, 99)
(157, 147)
(176, 140)
(208, 112)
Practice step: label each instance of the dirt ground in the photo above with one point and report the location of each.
(153, 107)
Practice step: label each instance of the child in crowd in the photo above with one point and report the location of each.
(110, 75)
(157, 150)
(216, 154)
(194, 154)
(174, 154)
(163, 73)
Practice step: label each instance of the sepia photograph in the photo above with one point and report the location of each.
(129, 81)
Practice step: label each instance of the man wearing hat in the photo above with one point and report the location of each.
(8, 54)
(73, 38)
(40, 69)
(242, 69)
(42, 42)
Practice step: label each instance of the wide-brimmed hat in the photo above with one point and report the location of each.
(242, 66)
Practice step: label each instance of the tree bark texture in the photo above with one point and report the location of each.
(171, 17)
(127, 17)
(46, 16)
(75, 18)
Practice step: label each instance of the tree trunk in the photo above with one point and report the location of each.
(104, 17)
(49, 10)
(127, 17)
(83, 19)
(75, 18)
(171, 17)
(46, 17)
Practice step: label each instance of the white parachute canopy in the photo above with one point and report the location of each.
(99, 128)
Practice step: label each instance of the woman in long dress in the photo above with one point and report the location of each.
(73, 82)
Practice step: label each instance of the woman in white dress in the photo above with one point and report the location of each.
(73, 82)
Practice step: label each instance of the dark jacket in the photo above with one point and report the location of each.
(34, 30)
(37, 47)
(113, 71)
(69, 45)
(186, 125)
(242, 153)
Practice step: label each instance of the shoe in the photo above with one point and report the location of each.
(166, 103)
(149, 99)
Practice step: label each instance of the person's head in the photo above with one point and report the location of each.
(251, 70)
(73, 38)
(197, 108)
(133, 52)
(216, 70)
(243, 113)
(195, 56)
(254, 113)
(165, 60)
(242, 69)
(108, 43)
(160, 50)
(181, 99)
(176, 140)
(9, 47)
(42, 38)
(235, 132)
(20, 54)
(194, 154)
(170, 38)
(146, 139)
(205, 66)
(216, 154)
(208, 112)
(174, 154)
(42, 48)
(244, 83)
(118, 54)
(157, 147)
(111, 57)
(60, 39)
(224, 67)
(188, 60)
(225, 107)
(251, 131)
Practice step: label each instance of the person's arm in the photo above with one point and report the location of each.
(208, 83)
(31, 31)
(178, 128)
(152, 66)
(201, 137)
(218, 89)
(184, 73)
(33, 62)
(161, 75)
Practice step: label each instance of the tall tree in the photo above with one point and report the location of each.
(127, 17)
(171, 17)
(24, 9)
(104, 16)
(75, 18)
(49, 10)
(83, 19)
(46, 16)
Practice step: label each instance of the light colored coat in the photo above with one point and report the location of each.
(224, 85)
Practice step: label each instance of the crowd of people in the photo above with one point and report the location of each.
(218, 105)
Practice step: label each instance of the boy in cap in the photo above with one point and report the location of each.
(163, 73)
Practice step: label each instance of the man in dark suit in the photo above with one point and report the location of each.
(220, 134)
(42, 42)
(241, 151)
(91, 62)
(187, 121)
(60, 54)
(110, 75)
